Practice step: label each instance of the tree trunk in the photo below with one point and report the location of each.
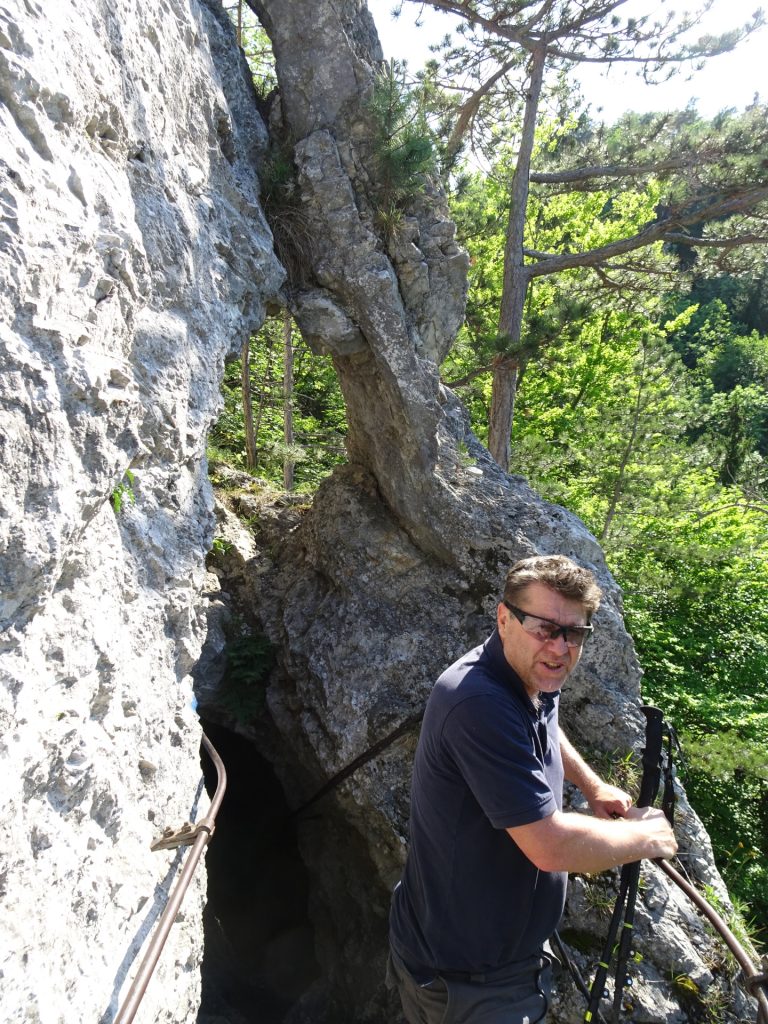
(245, 379)
(288, 464)
(503, 394)
(516, 276)
(618, 484)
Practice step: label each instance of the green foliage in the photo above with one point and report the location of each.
(622, 770)
(732, 800)
(250, 659)
(123, 492)
(400, 150)
(644, 413)
(256, 46)
(318, 413)
(221, 546)
(731, 369)
(701, 630)
(743, 928)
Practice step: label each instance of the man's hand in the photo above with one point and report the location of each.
(608, 801)
(659, 831)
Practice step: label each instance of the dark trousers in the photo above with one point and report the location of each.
(516, 995)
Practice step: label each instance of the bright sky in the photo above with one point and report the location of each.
(730, 80)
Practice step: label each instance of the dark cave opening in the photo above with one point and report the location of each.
(259, 942)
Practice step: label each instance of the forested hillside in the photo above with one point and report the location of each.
(640, 397)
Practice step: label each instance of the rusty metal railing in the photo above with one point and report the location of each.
(756, 982)
(198, 836)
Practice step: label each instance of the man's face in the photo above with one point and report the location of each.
(543, 666)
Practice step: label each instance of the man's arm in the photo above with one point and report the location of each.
(604, 800)
(577, 842)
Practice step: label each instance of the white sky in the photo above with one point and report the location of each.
(730, 80)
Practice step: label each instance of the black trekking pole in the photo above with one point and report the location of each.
(649, 787)
(630, 875)
(575, 973)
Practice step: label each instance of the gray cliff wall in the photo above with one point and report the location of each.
(134, 257)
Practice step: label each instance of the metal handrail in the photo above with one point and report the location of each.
(756, 983)
(204, 831)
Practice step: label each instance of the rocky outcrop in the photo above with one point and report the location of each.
(363, 623)
(389, 309)
(134, 258)
(397, 566)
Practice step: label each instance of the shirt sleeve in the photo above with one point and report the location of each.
(492, 748)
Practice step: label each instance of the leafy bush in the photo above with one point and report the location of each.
(319, 416)
(701, 631)
(123, 492)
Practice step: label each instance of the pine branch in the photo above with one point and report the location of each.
(718, 243)
(528, 35)
(697, 213)
(580, 174)
(467, 378)
(469, 108)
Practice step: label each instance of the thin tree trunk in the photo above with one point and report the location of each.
(245, 380)
(239, 22)
(516, 277)
(265, 386)
(503, 394)
(288, 464)
(618, 484)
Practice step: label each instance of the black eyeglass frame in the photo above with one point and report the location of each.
(582, 633)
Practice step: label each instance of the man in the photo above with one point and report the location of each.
(484, 883)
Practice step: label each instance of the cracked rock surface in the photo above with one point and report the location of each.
(134, 257)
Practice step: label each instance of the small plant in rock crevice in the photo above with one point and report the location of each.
(400, 150)
(617, 768)
(123, 492)
(749, 934)
(708, 1006)
(221, 546)
(293, 239)
(598, 897)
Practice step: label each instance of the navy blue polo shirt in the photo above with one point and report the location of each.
(487, 760)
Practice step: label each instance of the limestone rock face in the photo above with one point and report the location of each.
(134, 258)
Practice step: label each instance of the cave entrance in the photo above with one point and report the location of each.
(259, 942)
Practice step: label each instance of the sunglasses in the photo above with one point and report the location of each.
(546, 629)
